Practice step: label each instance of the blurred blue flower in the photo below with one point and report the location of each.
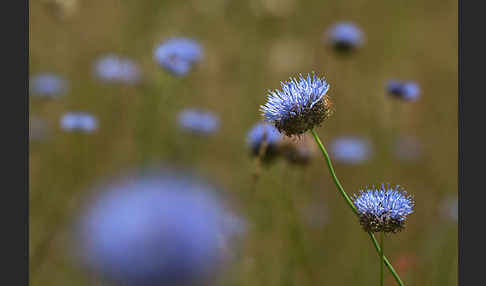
(79, 121)
(114, 69)
(406, 90)
(47, 85)
(299, 106)
(177, 55)
(345, 36)
(383, 209)
(157, 229)
(198, 121)
(350, 149)
(263, 132)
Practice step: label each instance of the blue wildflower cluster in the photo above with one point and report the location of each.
(115, 69)
(345, 36)
(177, 55)
(162, 228)
(383, 209)
(299, 106)
(170, 228)
(47, 85)
(79, 121)
(351, 149)
(406, 90)
(198, 121)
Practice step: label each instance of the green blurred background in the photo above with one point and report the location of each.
(249, 47)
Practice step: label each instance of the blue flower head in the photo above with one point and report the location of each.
(155, 229)
(384, 208)
(264, 133)
(198, 121)
(114, 69)
(406, 90)
(345, 36)
(299, 106)
(47, 85)
(177, 55)
(351, 149)
(79, 121)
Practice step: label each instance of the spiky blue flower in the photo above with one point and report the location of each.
(48, 85)
(406, 90)
(115, 69)
(177, 55)
(345, 36)
(198, 121)
(79, 121)
(260, 133)
(161, 228)
(383, 209)
(299, 106)
(351, 149)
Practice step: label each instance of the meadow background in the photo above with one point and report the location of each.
(300, 232)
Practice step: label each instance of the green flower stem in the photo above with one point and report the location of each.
(352, 206)
(382, 260)
(333, 174)
(387, 263)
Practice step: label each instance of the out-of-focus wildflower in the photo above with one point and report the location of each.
(47, 85)
(177, 55)
(79, 121)
(115, 69)
(300, 105)
(350, 149)
(198, 121)
(299, 151)
(383, 209)
(407, 148)
(345, 36)
(406, 90)
(263, 140)
(163, 228)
